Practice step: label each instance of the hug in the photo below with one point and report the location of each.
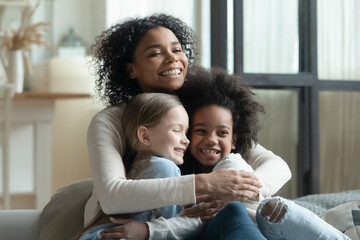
(164, 114)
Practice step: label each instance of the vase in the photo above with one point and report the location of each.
(15, 69)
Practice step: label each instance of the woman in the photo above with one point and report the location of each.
(151, 55)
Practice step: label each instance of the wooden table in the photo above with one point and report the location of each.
(31, 143)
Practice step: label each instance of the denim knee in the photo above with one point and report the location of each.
(236, 208)
(291, 221)
(272, 210)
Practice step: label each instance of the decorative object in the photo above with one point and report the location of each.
(15, 69)
(18, 46)
(71, 45)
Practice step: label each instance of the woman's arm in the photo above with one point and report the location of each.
(161, 228)
(117, 195)
(271, 169)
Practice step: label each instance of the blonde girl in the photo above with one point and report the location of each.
(155, 126)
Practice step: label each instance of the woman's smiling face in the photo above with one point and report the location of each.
(159, 63)
(211, 135)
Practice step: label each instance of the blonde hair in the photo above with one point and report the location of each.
(146, 109)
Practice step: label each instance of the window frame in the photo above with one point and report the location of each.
(306, 80)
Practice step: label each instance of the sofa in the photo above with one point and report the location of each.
(62, 217)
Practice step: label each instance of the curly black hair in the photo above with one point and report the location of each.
(216, 87)
(116, 46)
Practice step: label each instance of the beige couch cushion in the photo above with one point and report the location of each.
(63, 216)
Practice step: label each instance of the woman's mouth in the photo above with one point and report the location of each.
(172, 72)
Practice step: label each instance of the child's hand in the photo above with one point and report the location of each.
(206, 209)
(127, 229)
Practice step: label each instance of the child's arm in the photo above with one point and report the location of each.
(271, 169)
(233, 161)
(178, 227)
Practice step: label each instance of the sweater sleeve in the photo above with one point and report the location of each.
(114, 192)
(177, 227)
(233, 161)
(271, 169)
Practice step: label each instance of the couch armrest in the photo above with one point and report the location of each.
(20, 224)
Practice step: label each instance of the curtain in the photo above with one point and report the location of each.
(271, 36)
(118, 10)
(339, 59)
(338, 39)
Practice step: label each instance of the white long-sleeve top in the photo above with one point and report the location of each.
(180, 227)
(118, 195)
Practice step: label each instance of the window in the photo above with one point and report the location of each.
(301, 56)
(195, 13)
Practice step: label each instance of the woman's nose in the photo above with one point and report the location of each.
(171, 57)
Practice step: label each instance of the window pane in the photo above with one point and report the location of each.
(271, 38)
(118, 10)
(339, 141)
(338, 39)
(196, 14)
(280, 130)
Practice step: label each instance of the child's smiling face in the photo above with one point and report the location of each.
(168, 138)
(211, 135)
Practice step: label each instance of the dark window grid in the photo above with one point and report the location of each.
(306, 80)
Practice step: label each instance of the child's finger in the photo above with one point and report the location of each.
(115, 235)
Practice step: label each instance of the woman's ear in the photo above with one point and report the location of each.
(143, 135)
(130, 70)
(233, 142)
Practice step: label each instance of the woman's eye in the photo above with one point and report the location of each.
(155, 54)
(178, 50)
(176, 130)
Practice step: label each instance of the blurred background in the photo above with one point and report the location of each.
(301, 57)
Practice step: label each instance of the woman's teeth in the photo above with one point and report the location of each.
(171, 72)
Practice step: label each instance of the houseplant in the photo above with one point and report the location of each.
(18, 45)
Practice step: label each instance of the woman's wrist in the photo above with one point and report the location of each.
(201, 183)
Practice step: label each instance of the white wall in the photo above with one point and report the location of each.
(72, 117)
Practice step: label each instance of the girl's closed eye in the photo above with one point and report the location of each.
(223, 133)
(200, 131)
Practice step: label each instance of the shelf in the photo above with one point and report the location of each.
(49, 95)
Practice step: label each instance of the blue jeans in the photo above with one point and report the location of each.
(231, 223)
(297, 223)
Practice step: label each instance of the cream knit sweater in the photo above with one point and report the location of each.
(118, 195)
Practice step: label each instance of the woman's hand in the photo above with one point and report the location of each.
(207, 208)
(128, 229)
(231, 184)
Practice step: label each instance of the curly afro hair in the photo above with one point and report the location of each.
(116, 46)
(217, 87)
